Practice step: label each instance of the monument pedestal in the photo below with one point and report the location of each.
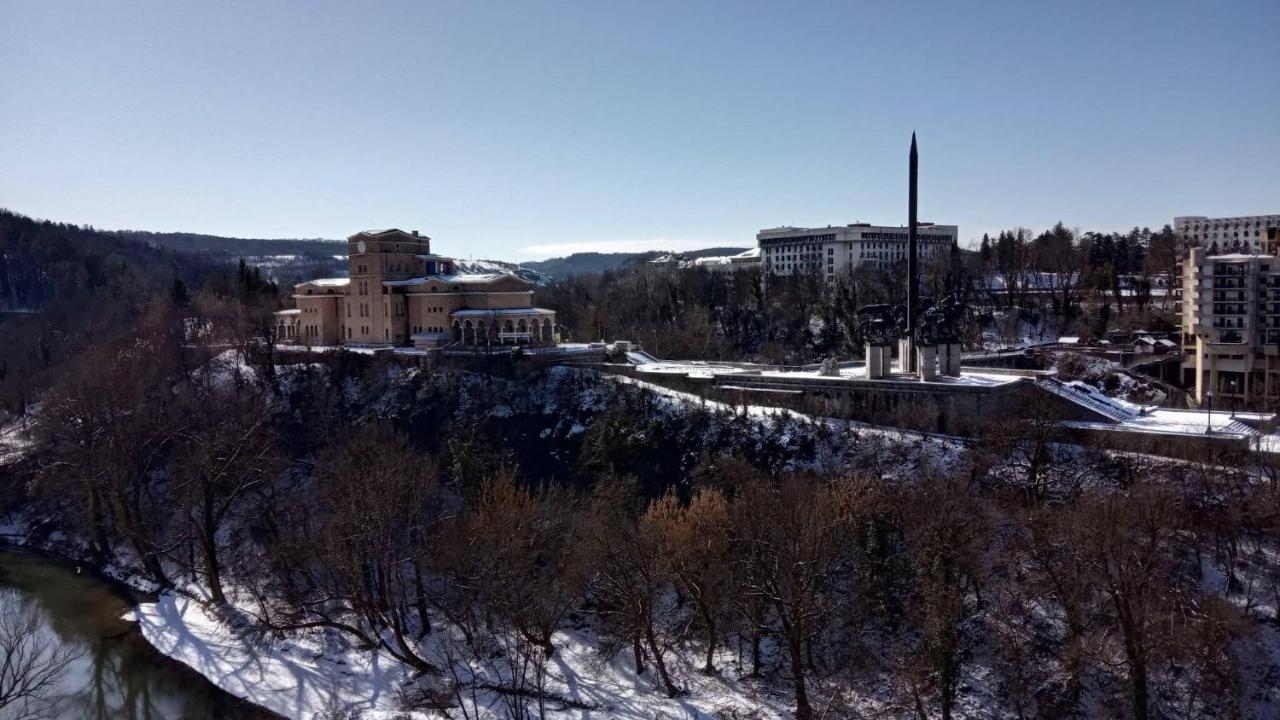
(949, 359)
(879, 361)
(906, 349)
(927, 361)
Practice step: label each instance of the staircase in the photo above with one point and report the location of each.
(1089, 399)
(1240, 428)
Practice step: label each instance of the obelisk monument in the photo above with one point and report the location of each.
(913, 280)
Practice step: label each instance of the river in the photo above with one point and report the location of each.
(117, 674)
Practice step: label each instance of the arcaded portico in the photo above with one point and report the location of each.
(399, 293)
(506, 326)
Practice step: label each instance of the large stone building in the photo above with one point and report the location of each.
(1230, 313)
(835, 251)
(1245, 234)
(399, 293)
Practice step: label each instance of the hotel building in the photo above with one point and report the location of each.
(399, 293)
(840, 250)
(1246, 234)
(1230, 312)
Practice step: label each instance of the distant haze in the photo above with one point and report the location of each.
(531, 130)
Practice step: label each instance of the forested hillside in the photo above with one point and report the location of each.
(234, 247)
(66, 288)
(47, 262)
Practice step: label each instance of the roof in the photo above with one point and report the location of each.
(474, 277)
(389, 231)
(1069, 339)
(1233, 257)
(328, 282)
(497, 312)
(289, 311)
(1166, 342)
(458, 279)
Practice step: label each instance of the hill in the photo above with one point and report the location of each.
(43, 261)
(593, 262)
(234, 247)
(501, 266)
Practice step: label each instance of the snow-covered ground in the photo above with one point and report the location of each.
(702, 369)
(14, 440)
(304, 676)
(309, 675)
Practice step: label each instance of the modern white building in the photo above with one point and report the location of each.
(1252, 234)
(1230, 311)
(838, 250)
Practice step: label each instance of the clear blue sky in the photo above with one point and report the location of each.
(524, 129)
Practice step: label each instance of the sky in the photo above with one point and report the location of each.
(525, 129)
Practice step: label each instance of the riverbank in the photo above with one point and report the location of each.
(115, 672)
(309, 674)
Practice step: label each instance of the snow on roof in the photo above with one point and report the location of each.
(473, 277)
(389, 231)
(459, 279)
(493, 312)
(288, 311)
(1166, 342)
(329, 282)
(1069, 340)
(1232, 257)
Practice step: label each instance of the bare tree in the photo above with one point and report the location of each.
(32, 658)
(1129, 545)
(354, 562)
(946, 532)
(227, 454)
(795, 532)
(695, 538)
(629, 575)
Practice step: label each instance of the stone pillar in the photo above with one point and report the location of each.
(904, 354)
(879, 358)
(927, 361)
(949, 359)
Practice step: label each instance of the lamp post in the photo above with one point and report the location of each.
(1209, 399)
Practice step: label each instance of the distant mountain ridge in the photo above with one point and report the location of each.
(501, 266)
(237, 247)
(593, 262)
(291, 260)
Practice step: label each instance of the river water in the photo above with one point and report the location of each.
(117, 674)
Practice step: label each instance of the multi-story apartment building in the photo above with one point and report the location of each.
(399, 293)
(1246, 234)
(1230, 312)
(839, 250)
